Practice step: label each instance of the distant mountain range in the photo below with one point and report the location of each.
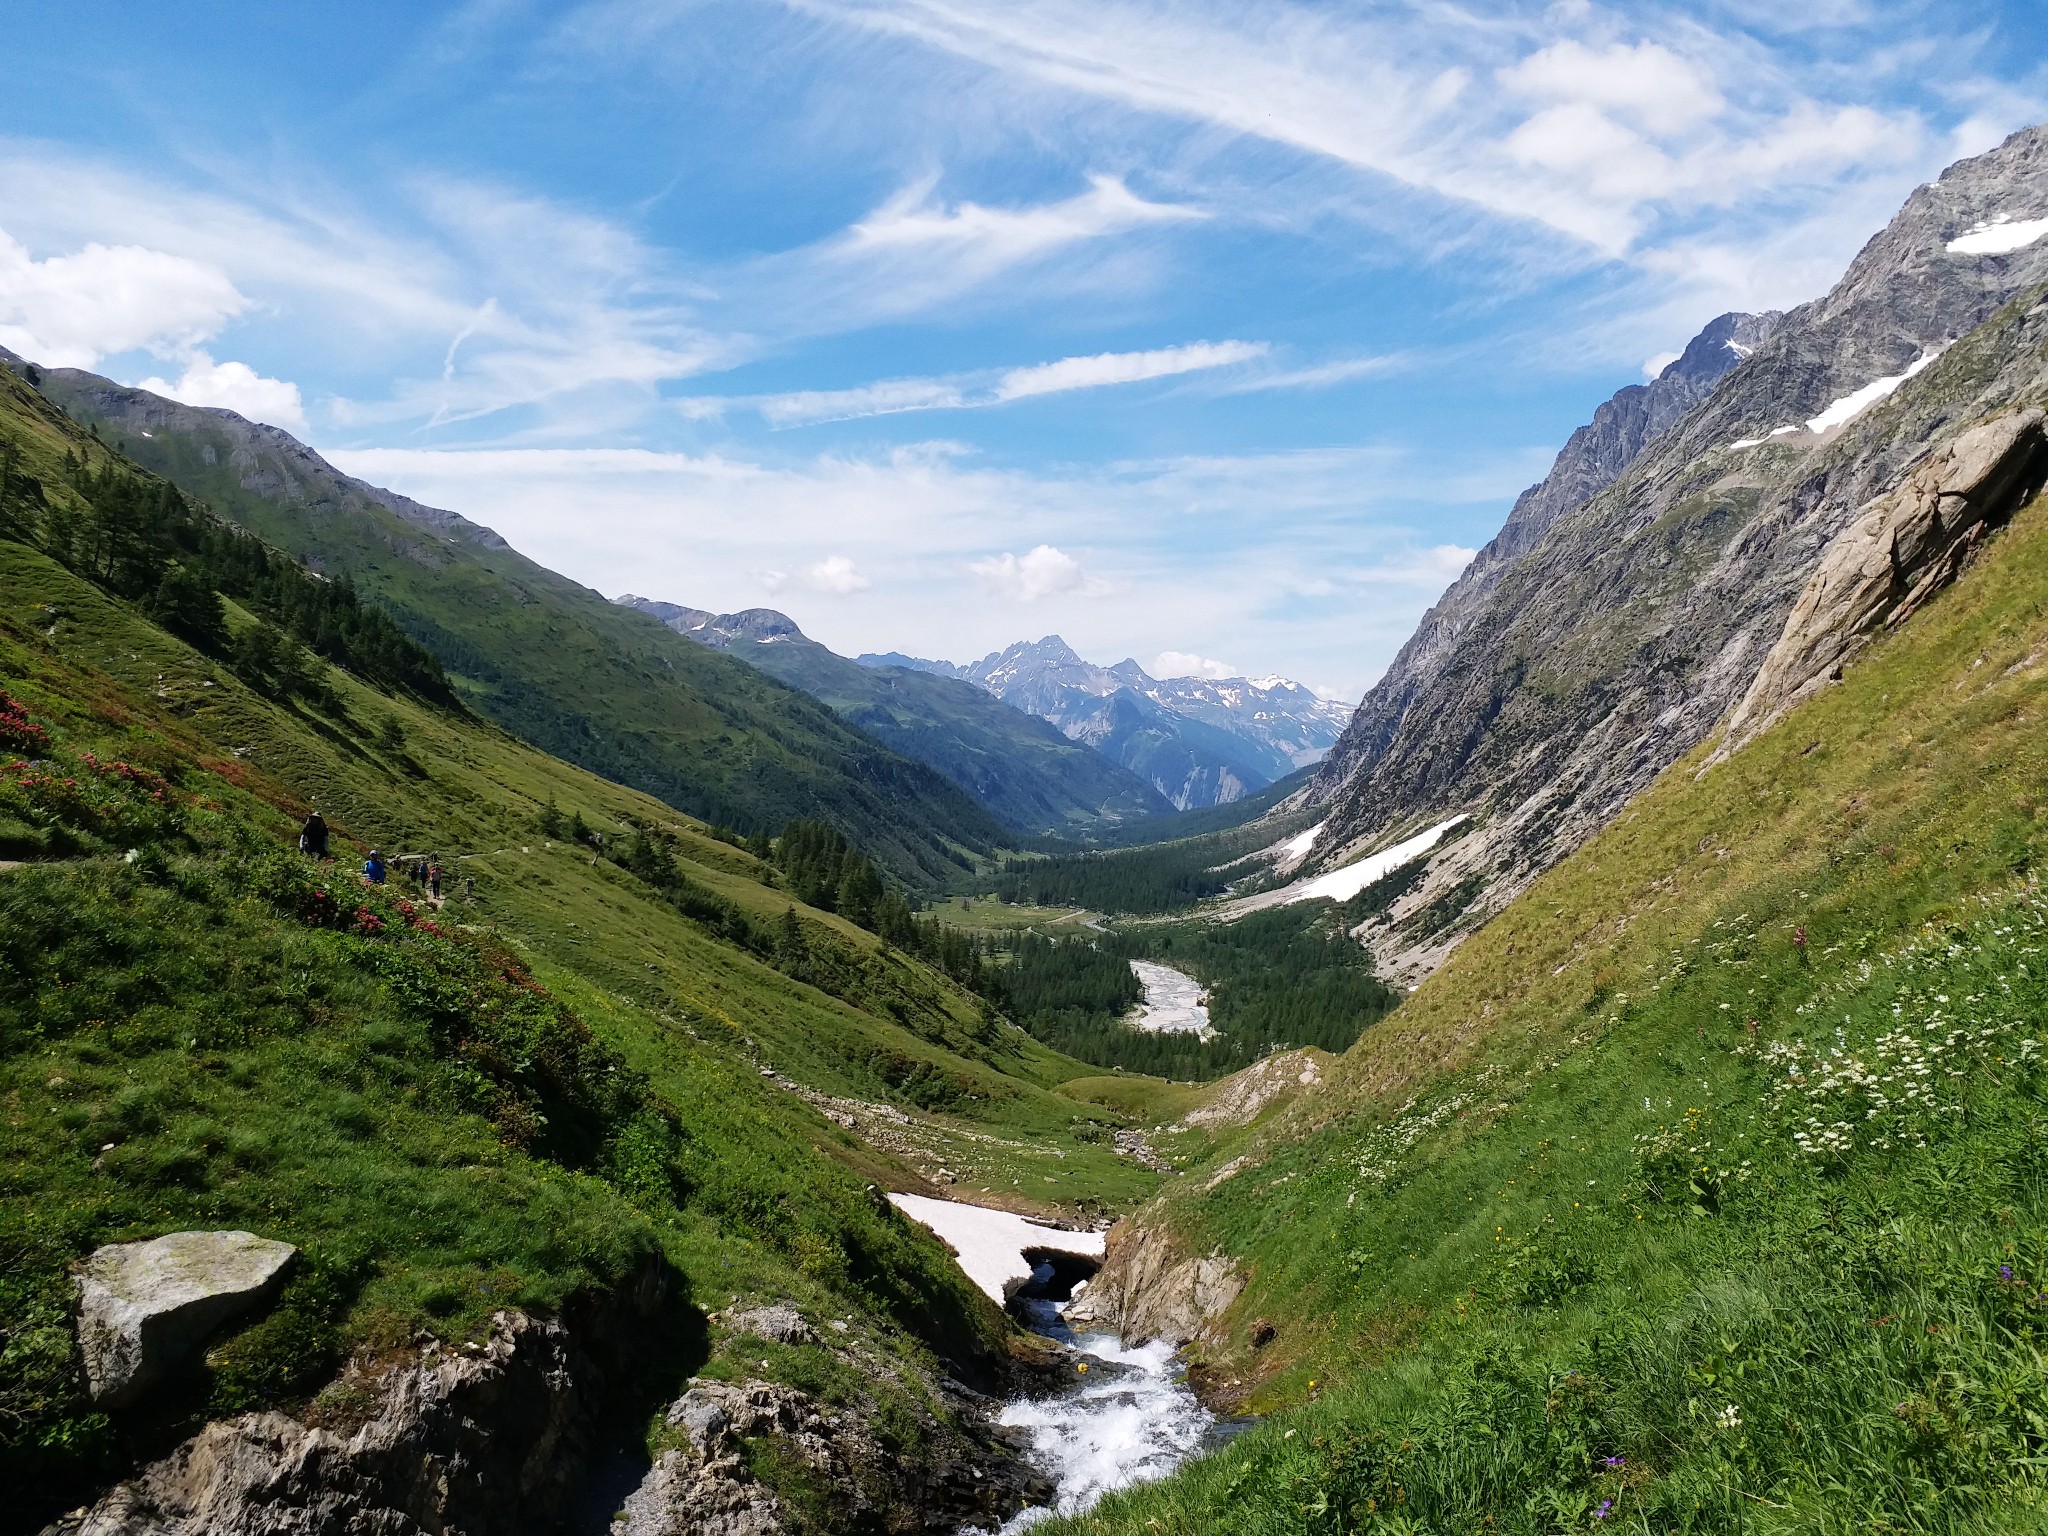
(1198, 741)
(1021, 769)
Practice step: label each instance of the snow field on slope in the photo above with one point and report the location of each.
(1343, 884)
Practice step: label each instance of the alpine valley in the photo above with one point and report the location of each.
(1598, 1083)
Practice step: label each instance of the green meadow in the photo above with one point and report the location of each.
(1703, 1189)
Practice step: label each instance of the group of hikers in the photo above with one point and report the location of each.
(425, 871)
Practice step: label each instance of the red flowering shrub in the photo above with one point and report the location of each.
(18, 733)
(109, 805)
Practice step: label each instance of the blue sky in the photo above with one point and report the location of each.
(1218, 331)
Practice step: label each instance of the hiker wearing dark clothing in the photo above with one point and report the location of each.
(313, 837)
(373, 868)
(434, 876)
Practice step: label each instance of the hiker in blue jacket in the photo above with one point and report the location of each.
(373, 868)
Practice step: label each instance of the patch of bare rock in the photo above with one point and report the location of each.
(145, 1308)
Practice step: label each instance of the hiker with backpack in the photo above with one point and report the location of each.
(313, 836)
(373, 868)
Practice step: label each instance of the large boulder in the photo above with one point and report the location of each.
(143, 1308)
(1904, 548)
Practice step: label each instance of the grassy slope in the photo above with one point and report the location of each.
(601, 686)
(1019, 767)
(334, 1123)
(1553, 1211)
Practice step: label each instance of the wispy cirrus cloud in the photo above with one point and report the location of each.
(1596, 127)
(981, 390)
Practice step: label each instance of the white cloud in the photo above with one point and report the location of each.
(71, 311)
(837, 574)
(1122, 368)
(1665, 93)
(993, 238)
(1318, 375)
(1234, 540)
(1433, 568)
(973, 391)
(467, 299)
(236, 387)
(1045, 572)
(1594, 137)
(1188, 664)
(1654, 365)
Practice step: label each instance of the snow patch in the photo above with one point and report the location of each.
(1751, 442)
(1300, 844)
(990, 1244)
(1343, 884)
(1999, 236)
(1849, 407)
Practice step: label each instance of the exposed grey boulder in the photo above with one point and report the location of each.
(705, 1486)
(779, 1324)
(144, 1308)
(1899, 553)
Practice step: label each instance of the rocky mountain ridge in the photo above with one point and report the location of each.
(1199, 741)
(1018, 767)
(1602, 640)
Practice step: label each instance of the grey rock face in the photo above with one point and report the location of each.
(1905, 548)
(484, 1441)
(1623, 634)
(703, 1487)
(1148, 1288)
(143, 1308)
(1594, 458)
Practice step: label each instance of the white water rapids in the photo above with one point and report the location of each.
(1131, 1420)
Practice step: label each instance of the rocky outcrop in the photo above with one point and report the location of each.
(145, 1308)
(493, 1438)
(1242, 1097)
(1623, 634)
(1906, 547)
(779, 1323)
(489, 1437)
(703, 1485)
(1148, 1288)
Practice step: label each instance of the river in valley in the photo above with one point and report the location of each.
(1174, 1004)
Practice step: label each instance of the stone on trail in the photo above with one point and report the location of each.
(143, 1308)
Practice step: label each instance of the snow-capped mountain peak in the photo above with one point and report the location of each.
(1201, 741)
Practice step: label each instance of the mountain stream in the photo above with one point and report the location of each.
(1130, 1418)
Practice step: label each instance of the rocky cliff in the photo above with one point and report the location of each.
(1555, 683)
(1591, 460)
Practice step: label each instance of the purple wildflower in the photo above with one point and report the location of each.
(1606, 1508)
(2005, 1273)
(1616, 1462)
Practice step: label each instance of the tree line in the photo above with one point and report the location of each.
(138, 538)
